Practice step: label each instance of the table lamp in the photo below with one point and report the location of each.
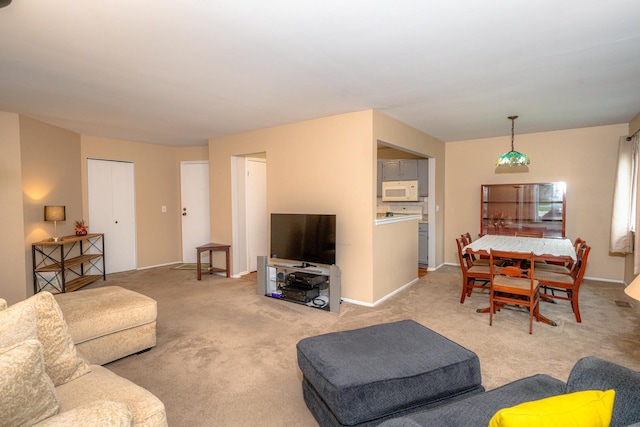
(633, 290)
(55, 214)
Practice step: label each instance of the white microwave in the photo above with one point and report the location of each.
(400, 191)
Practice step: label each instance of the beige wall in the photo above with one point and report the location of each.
(318, 166)
(15, 255)
(584, 158)
(398, 134)
(50, 176)
(328, 165)
(395, 255)
(157, 184)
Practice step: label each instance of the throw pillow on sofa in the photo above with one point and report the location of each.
(28, 395)
(18, 324)
(62, 362)
(590, 408)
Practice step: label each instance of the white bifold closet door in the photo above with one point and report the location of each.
(111, 191)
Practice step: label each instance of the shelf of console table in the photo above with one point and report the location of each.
(69, 263)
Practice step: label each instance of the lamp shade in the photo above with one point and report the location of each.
(513, 158)
(55, 213)
(633, 290)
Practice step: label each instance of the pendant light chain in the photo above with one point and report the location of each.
(513, 123)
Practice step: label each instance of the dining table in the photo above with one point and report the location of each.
(558, 250)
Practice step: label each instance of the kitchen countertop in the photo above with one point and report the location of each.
(382, 219)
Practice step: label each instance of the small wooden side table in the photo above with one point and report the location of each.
(212, 247)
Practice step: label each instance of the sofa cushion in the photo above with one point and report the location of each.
(18, 324)
(102, 384)
(28, 395)
(592, 373)
(369, 373)
(589, 408)
(93, 313)
(62, 362)
(478, 409)
(100, 413)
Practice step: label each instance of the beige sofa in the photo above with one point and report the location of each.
(109, 323)
(45, 382)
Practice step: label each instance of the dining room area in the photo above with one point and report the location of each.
(522, 256)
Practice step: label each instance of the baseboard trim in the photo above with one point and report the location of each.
(383, 299)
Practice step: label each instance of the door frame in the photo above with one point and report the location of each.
(239, 246)
(252, 218)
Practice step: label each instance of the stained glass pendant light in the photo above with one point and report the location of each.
(513, 157)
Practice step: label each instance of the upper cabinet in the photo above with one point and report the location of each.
(400, 170)
(523, 208)
(405, 170)
(423, 177)
(379, 180)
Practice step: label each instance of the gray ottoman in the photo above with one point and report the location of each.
(365, 376)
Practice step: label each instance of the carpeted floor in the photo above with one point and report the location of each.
(194, 266)
(226, 356)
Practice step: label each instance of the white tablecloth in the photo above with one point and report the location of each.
(539, 246)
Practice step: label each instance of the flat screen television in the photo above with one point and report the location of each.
(309, 238)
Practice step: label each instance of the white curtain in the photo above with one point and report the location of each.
(624, 220)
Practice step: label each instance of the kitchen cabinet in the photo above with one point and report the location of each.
(404, 170)
(400, 170)
(379, 179)
(423, 177)
(423, 245)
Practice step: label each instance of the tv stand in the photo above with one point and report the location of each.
(272, 282)
(304, 265)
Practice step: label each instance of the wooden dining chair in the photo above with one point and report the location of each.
(482, 260)
(562, 268)
(470, 272)
(466, 240)
(566, 284)
(514, 284)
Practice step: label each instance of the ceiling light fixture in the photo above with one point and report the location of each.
(513, 158)
(4, 3)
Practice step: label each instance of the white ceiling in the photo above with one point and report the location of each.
(179, 72)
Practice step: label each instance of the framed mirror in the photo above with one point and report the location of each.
(526, 209)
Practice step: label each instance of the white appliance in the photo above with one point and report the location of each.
(400, 191)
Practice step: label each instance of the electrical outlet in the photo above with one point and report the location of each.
(164, 209)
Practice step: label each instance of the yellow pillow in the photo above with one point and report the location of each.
(590, 408)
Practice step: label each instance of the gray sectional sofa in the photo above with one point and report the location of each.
(403, 374)
(589, 373)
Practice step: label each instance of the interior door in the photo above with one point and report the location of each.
(256, 202)
(195, 209)
(111, 196)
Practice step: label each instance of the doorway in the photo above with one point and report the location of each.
(256, 195)
(111, 198)
(249, 210)
(195, 208)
